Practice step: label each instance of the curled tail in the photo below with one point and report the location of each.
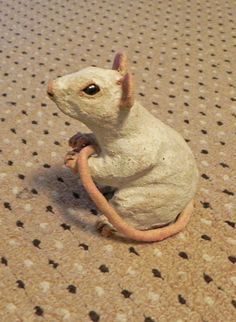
(102, 204)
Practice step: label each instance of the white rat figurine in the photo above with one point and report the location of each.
(148, 164)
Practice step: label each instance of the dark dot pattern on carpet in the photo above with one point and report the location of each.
(54, 265)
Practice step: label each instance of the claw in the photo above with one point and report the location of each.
(100, 225)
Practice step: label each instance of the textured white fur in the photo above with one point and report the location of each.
(150, 164)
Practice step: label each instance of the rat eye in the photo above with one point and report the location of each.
(92, 89)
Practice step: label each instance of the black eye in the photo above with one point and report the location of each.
(92, 89)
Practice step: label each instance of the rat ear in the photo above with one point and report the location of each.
(127, 98)
(120, 63)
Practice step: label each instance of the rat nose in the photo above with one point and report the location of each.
(50, 88)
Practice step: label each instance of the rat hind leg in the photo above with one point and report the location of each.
(149, 206)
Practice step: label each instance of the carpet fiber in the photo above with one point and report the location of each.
(54, 266)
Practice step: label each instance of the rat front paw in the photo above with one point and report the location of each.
(80, 140)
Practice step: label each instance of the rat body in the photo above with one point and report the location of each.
(149, 165)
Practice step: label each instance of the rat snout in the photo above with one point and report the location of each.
(50, 89)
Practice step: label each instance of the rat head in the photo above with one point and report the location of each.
(95, 95)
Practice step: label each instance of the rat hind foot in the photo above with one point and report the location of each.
(104, 227)
(70, 160)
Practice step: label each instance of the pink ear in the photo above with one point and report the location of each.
(127, 99)
(120, 63)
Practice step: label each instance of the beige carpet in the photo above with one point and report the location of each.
(54, 266)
